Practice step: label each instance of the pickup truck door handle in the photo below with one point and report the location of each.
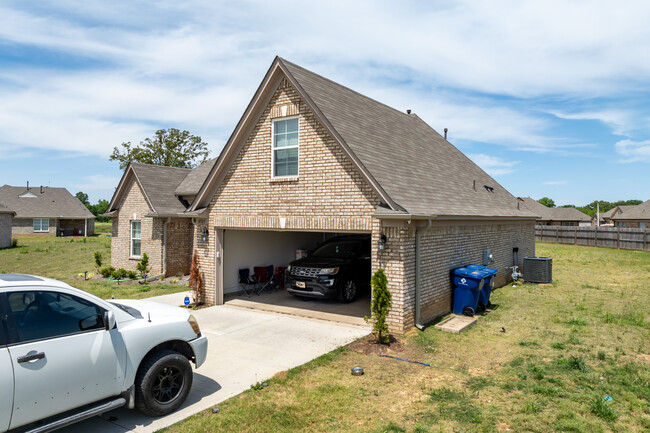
(28, 358)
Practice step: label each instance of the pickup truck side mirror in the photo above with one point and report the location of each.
(109, 320)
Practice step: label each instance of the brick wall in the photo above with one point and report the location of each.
(135, 207)
(179, 246)
(442, 247)
(6, 220)
(25, 226)
(328, 194)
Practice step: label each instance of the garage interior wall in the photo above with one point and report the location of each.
(249, 248)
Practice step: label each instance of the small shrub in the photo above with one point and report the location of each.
(143, 264)
(577, 363)
(196, 280)
(379, 306)
(602, 409)
(98, 259)
(107, 271)
(132, 275)
(14, 243)
(119, 273)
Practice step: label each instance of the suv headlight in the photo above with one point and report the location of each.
(194, 324)
(328, 271)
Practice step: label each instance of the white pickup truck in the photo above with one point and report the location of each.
(66, 355)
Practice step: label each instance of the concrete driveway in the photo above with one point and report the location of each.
(244, 346)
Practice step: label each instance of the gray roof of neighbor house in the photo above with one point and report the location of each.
(412, 167)
(5, 209)
(50, 203)
(545, 213)
(638, 212)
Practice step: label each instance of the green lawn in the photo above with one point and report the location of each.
(566, 347)
(65, 258)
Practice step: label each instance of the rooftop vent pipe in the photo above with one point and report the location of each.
(408, 111)
(446, 133)
(41, 189)
(27, 185)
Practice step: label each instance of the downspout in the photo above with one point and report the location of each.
(85, 227)
(418, 324)
(164, 261)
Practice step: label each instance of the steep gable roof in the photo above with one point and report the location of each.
(194, 179)
(50, 203)
(413, 169)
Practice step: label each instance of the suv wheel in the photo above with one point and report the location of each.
(163, 382)
(348, 291)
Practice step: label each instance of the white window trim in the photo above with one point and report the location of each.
(132, 238)
(273, 121)
(41, 225)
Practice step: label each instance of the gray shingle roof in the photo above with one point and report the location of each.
(638, 212)
(159, 183)
(418, 169)
(545, 213)
(5, 209)
(194, 179)
(52, 203)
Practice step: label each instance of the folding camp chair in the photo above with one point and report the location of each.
(247, 282)
(278, 277)
(263, 277)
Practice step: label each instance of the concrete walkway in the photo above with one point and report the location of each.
(244, 347)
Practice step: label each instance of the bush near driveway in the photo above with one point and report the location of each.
(567, 346)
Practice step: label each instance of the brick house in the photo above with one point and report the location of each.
(556, 216)
(47, 211)
(311, 158)
(6, 221)
(632, 216)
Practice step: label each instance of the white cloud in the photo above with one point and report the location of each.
(634, 151)
(493, 165)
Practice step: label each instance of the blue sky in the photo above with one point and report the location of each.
(552, 98)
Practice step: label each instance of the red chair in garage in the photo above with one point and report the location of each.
(263, 277)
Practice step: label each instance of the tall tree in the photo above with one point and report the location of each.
(173, 148)
(547, 202)
(83, 197)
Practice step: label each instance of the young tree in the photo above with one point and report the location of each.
(547, 202)
(196, 280)
(379, 306)
(143, 265)
(173, 148)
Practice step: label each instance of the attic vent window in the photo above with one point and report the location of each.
(488, 188)
(285, 148)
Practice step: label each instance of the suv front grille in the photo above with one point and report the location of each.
(298, 271)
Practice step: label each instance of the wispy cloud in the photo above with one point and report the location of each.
(633, 151)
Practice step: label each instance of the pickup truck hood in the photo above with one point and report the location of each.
(153, 310)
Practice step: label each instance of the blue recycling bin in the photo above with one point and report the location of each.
(468, 283)
(488, 285)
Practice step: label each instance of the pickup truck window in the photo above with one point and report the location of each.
(40, 315)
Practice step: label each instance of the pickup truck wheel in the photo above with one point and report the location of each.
(163, 382)
(348, 291)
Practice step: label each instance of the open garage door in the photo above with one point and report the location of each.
(247, 249)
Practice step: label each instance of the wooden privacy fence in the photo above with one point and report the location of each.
(606, 237)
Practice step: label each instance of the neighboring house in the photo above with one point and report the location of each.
(310, 159)
(47, 211)
(6, 221)
(633, 216)
(606, 217)
(556, 216)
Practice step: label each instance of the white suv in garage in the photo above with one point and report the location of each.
(66, 355)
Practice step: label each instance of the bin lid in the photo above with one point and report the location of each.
(492, 271)
(476, 274)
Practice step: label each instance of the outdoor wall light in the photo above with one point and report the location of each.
(204, 235)
(381, 243)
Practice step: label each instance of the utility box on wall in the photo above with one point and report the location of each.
(538, 269)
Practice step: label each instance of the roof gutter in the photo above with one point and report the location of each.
(418, 231)
(416, 217)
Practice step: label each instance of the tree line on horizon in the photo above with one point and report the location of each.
(590, 209)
